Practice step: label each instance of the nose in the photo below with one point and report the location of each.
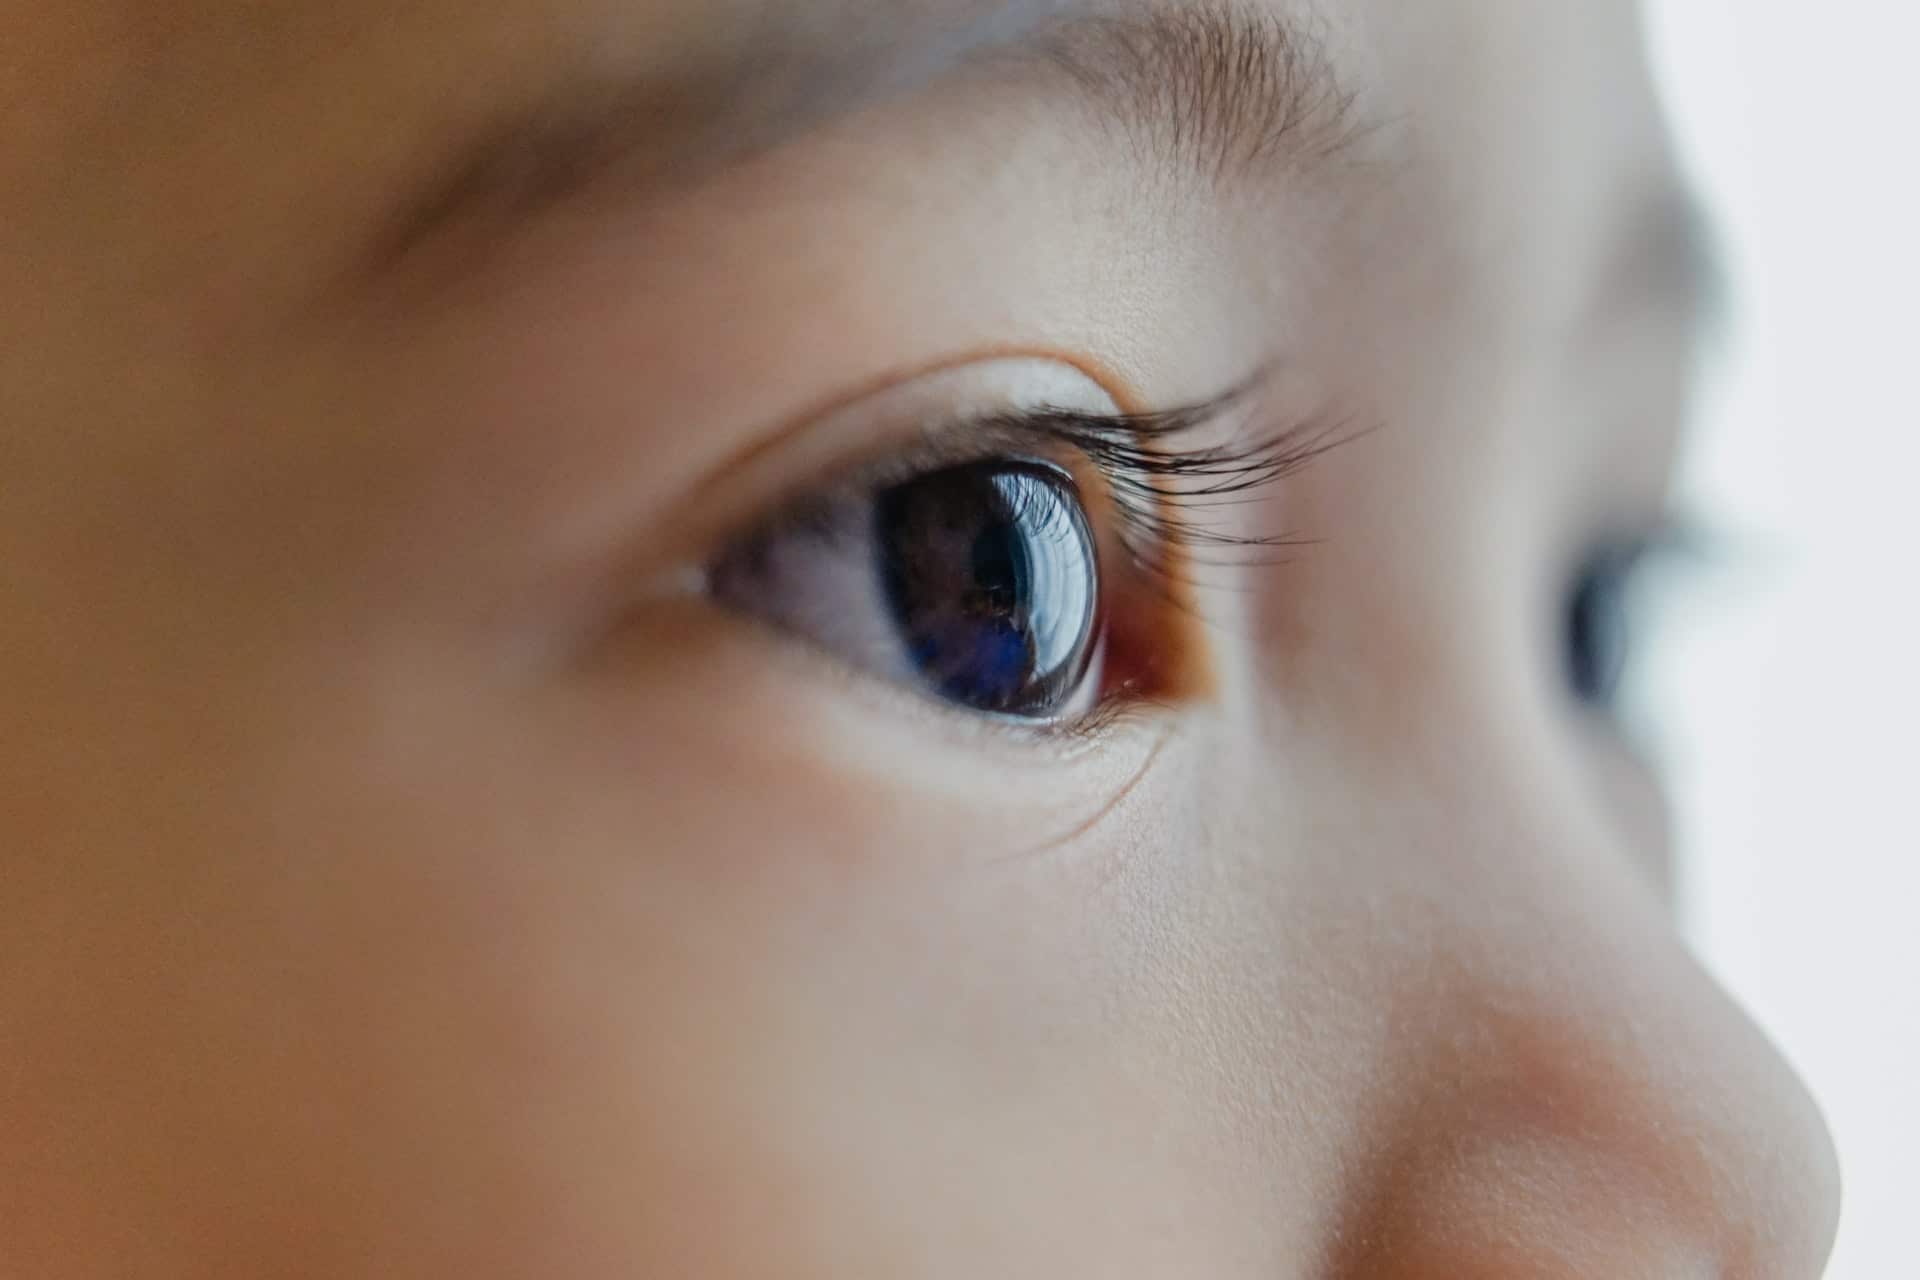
(1590, 1104)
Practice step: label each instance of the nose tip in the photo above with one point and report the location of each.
(1591, 1131)
(1757, 1169)
(1792, 1196)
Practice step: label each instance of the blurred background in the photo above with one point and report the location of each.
(1790, 697)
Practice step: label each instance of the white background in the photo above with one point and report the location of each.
(1794, 702)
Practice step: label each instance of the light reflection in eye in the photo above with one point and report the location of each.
(991, 575)
(978, 583)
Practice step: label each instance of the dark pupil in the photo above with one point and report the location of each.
(990, 572)
(1596, 639)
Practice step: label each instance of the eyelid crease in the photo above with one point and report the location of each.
(1117, 389)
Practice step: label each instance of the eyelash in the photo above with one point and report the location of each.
(1163, 495)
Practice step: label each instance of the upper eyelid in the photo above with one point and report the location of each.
(1161, 470)
(1144, 441)
(1166, 492)
(1123, 443)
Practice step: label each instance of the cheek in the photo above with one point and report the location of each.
(714, 734)
(683, 1025)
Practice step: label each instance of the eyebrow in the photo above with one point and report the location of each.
(1212, 92)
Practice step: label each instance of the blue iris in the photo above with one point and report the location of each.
(983, 664)
(990, 572)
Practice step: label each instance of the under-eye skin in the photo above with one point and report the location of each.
(1024, 567)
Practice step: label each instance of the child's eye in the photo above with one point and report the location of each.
(978, 583)
(1597, 626)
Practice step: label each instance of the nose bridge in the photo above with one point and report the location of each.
(1589, 1103)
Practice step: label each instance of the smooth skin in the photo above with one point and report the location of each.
(402, 876)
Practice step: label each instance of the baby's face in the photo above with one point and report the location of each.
(934, 638)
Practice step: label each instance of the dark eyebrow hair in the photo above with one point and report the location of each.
(1214, 92)
(1225, 92)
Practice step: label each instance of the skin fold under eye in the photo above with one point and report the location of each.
(979, 583)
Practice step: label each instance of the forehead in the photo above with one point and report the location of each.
(1525, 120)
(154, 53)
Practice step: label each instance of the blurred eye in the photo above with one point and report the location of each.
(977, 583)
(1597, 629)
